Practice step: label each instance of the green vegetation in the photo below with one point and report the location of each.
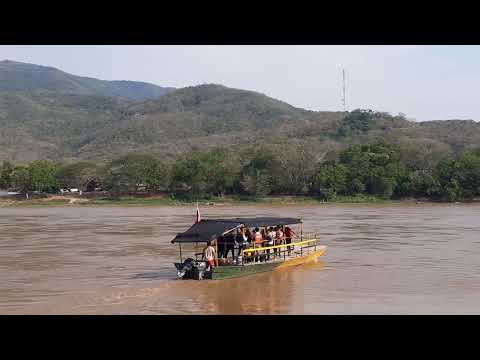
(211, 173)
(360, 122)
(376, 169)
(77, 175)
(6, 173)
(130, 173)
(20, 179)
(361, 173)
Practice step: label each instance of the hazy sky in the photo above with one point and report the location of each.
(424, 82)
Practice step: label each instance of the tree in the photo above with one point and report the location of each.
(259, 174)
(42, 175)
(460, 178)
(446, 172)
(129, 172)
(256, 182)
(215, 172)
(469, 174)
(330, 180)
(383, 186)
(356, 122)
(188, 175)
(421, 153)
(156, 176)
(6, 171)
(296, 169)
(77, 175)
(423, 183)
(21, 179)
(221, 170)
(372, 167)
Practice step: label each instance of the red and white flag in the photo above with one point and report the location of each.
(197, 220)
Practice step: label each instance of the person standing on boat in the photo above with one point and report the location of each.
(269, 241)
(251, 237)
(209, 255)
(229, 245)
(279, 238)
(264, 244)
(258, 238)
(289, 233)
(221, 246)
(242, 241)
(271, 233)
(250, 240)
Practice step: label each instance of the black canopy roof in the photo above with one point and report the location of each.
(209, 229)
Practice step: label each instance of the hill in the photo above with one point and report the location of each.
(18, 76)
(205, 116)
(43, 124)
(52, 125)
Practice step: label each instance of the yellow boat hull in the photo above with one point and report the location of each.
(225, 272)
(303, 259)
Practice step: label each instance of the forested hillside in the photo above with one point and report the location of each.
(46, 114)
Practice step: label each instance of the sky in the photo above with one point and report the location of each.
(423, 82)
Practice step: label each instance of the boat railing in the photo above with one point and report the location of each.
(300, 246)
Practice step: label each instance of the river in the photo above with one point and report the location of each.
(401, 258)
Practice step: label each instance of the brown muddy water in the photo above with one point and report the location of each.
(381, 259)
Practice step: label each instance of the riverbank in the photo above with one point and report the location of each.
(165, 200)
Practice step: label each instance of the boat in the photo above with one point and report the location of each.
(247, 259)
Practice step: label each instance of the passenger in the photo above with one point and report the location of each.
(269, 241)
(237, 241)
(243, 241)
(271, 233)
(229, 245)
(209, 255)
(257, 236)
(258, 242)
(265, 244)
(250, 235)
(221, 245)
(289, 233)
(271, 238)
(279, 234)
(279, 238)
(250, 240)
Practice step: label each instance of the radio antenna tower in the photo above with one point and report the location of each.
(344, 98)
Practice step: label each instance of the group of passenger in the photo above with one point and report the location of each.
(237, 241)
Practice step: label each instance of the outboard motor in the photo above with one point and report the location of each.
(199, 270)
(192, 269)
(185, 268)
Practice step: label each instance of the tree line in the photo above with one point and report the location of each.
(378, 169)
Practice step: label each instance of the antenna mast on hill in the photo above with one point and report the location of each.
(344, 98)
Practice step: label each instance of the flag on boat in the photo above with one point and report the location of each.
(197, 220)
